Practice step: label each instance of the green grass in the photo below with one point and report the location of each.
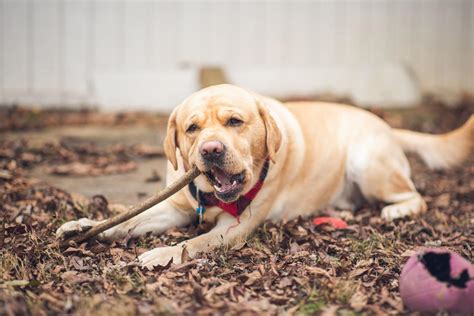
(312, 305)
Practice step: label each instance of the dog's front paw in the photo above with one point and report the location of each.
(160, 257)
(75, 227)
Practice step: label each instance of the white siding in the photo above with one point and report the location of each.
(77, 50)
(17, 66)
(51, 49)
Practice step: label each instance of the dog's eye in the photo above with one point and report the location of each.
(192, 128)
(234, 122)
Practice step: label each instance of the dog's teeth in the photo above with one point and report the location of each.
(218, 188)
(234, 182)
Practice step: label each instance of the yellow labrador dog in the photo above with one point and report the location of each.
(262, 160)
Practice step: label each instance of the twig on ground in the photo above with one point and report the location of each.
(120, 218)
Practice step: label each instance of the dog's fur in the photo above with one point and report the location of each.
(322, 155)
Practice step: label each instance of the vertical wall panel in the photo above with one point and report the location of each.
(220, 25)
(76, 45)
(135, 35)
(298, 23)
(165, 35)
(427, 44)
(319, 27)
(108, 41)
(2, 45)
(337, 16)
(468, 39)
(250, 40)
(353, 44)
(16, 47)
(378, 34)
(470, 51)
(399, 31)
(274, 31)
(329, 30)
(207, 50)
(47, 48)
(451, 44)
(190, 33)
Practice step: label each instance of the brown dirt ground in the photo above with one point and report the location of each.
(291, 267)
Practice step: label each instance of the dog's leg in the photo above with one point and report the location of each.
(156, 220)
(226, 232)
(392, 186)
(387, 179)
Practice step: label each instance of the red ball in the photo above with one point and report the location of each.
(438, 280)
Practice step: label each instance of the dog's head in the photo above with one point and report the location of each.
(228, 133)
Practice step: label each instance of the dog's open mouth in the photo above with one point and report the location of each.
(225, 183)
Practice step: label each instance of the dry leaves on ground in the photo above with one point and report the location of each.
(291, 267)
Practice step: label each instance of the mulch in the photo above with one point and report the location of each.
(292, 267)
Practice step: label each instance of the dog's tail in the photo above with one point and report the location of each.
(439, 151)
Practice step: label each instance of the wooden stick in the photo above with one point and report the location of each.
(134, 211)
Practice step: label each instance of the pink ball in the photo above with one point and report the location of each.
(438, 280)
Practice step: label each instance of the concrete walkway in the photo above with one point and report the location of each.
(126, 188)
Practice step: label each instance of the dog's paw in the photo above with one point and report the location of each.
(411, 207)
(74, 227)
(391, 212)
(160, 257)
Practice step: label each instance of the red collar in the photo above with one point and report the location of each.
(208, 199)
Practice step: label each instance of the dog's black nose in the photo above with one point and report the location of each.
(212, 150)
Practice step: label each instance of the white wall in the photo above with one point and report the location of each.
(51, 51)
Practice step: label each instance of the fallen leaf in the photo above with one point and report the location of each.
(252, 277)
(317, 271)
(358, 301)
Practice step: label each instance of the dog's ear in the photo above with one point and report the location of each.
(273, 133)
(171, 139)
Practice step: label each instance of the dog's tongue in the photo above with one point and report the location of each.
(223, 177)
(225, 182)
